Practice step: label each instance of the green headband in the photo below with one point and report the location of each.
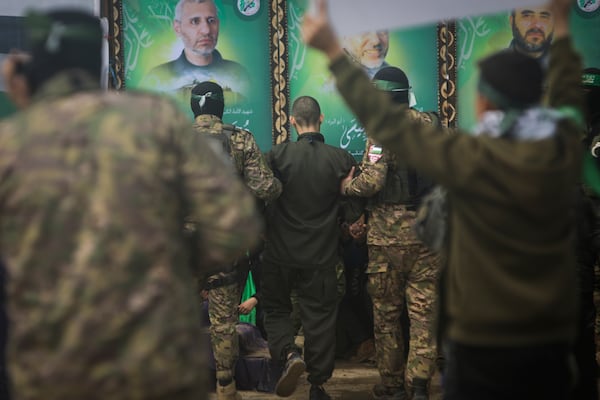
(390, 86)
(590, 80)
(498, 98)
(42, 28)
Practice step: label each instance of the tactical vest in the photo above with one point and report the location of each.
(403, 184)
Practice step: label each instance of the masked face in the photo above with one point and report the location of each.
(369, 48)
(532, 29)
(198, 28)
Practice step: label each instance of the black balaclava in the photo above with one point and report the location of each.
(395, 81)
(207, 98)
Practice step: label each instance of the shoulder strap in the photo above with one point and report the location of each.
(229, 130)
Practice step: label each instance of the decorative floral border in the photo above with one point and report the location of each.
(447, 73)
(279, 70)
(113, 11)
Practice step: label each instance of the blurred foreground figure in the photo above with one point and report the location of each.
(509, 291)
(110, 204)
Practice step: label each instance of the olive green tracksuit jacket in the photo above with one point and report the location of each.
(511, 263)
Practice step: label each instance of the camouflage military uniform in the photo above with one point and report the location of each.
(224, 289)
(97, 191)
(401, 271)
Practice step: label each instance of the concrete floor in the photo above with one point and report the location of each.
(350, 381)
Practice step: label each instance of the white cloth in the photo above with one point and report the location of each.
(536, 123)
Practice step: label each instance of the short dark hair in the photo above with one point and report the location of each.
(62, 40)
(207, 98)
(306, 111)
(515, 80)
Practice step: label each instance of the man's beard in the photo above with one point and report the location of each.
(203, 52)
(369, 62)
(526, 47)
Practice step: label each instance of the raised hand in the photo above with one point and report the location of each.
(560, 11)
(317, 31)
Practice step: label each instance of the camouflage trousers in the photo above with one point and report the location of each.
(223, 313)
(410, 279)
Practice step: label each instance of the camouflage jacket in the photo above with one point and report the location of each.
(247, 158)
(96, 189)
(388, 224)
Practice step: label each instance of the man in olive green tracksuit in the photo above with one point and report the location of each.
(302, 250)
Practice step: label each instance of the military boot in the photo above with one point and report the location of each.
(227, 392)
(419, 386)
(317, 392)
(382, 392)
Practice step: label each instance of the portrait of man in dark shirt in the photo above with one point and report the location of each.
(197, 24)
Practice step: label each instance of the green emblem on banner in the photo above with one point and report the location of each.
(248, 7)
(588, 8)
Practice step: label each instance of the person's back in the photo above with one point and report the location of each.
(235, 144)
(403, 274)
(302, 250)
(110, 206)
(240, 151)
(310, 171)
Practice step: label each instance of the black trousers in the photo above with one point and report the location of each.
(317, 303)
(584, 349)
(524, 373)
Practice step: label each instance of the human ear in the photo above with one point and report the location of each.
(17, 84)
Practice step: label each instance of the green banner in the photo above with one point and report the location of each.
(414, 51)
(170, 56)
(483, 35)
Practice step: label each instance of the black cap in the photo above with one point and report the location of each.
(511, 80)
